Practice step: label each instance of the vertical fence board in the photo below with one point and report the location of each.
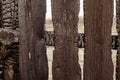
(65, 56)
(33, 59)
(0, 13)
(98, 22)
(118, 30)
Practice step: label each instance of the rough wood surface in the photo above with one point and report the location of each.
(0, 14)
(33, 59)
(10, 60)
(65, 56)
(9, 10)
(118, 30)
(8, 36)
(98, 22)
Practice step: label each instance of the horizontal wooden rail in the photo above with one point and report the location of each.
(49, 36)
(11, 36)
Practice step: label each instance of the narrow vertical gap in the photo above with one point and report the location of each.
(114, 33)
(81, 30)
(50, 50)
(81, 18)
(49, 27)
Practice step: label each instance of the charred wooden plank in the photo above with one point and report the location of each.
(97, 60)
(33, 59)
(118, 30)
(65, 57)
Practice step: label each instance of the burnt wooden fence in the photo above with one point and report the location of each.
(23, 40)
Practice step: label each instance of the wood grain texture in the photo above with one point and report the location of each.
(98, 22)
(33, 59)
(65, 56)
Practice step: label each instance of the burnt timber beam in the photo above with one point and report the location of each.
(9, 36)
(49, 37)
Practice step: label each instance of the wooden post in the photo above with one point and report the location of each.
(98, 22)
(65, 56)
(33, 59)
(118, 30)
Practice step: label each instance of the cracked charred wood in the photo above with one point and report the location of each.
(33, 58)
(49, 38)
(118, 30)
(11, 62)
(9, 13)
(97, 59)
(8, 36)
(65, 56)
(9, 49)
